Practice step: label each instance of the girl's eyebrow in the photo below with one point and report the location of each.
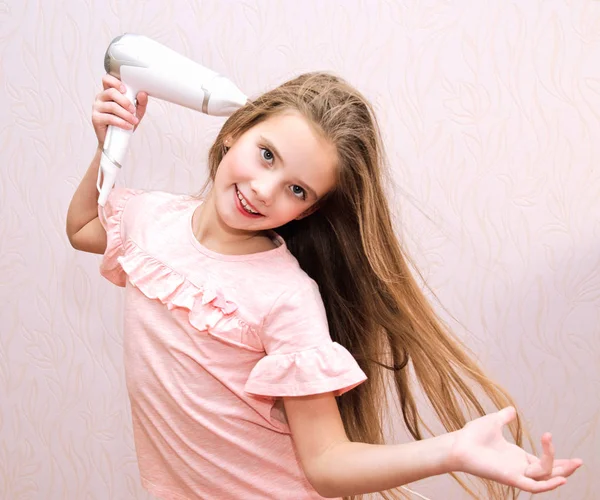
(271, 147)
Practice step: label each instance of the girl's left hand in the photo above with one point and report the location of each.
(480, 449)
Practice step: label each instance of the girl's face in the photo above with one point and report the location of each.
(273, 173)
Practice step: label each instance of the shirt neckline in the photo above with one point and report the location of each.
(282, 248)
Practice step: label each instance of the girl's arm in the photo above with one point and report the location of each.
(83, 226)
(111, 107)
(337, 467)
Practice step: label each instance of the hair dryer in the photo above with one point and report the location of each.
(143, 64)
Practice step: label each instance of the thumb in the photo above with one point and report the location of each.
(507, 415)
(142, 103)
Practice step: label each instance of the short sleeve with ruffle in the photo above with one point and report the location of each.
(301, 357)
(111, 218)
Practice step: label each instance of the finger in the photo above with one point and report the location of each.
(561, 467)
(142, 98)
(562, 461)
(507, 415)
(533, 486)
(566, 467)
(109, 81)
(547, 460)
(110, 119)
(542, 469)
(142, 103)
(568, 461)
(112, 108)
(113, 95)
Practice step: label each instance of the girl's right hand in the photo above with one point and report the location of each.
(111, 107)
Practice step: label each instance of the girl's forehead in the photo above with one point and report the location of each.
(294, 131)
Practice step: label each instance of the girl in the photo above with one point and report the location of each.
(263, 321)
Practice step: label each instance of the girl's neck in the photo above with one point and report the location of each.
(210, 231)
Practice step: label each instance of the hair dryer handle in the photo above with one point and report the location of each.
(107, 176)
(115, 147)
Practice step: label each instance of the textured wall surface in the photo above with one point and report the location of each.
(491, 115)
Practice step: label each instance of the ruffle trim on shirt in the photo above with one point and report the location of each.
(208, 309)
(110, 217)
(328, 368)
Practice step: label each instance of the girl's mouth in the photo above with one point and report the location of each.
(244, 205)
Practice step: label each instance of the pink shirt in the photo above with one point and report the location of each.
(211, 344)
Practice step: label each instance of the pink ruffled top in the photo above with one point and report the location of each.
(212, 343)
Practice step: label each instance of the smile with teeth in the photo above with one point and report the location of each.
(245, 204)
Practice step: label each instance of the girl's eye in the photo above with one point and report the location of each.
(298, 191)
(267, 155)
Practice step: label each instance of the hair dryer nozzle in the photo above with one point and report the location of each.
(224, 98)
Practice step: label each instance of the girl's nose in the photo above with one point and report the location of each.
(263, 189)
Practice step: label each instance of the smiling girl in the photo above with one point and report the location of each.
(264, 318)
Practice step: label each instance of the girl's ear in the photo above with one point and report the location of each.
(227, 142)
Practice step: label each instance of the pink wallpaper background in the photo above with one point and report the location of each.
(491, 115)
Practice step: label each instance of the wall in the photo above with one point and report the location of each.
(490, 112)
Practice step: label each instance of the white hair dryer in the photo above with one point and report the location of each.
(145, 65)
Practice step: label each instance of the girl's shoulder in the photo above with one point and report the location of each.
(135, 209)
(152, 202)
(135, 204)
(274, 272)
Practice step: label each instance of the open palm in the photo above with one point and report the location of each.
(481, 449)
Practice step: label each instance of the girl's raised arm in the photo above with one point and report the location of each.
(111, 107)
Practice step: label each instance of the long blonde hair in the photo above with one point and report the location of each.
(374, 305)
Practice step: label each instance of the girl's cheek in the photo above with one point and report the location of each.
(249, 167)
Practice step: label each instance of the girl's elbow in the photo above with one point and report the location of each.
(89, 237)
(327, 493)
(75, 240)
(85, 244)
(322, 483)
(324, 490)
